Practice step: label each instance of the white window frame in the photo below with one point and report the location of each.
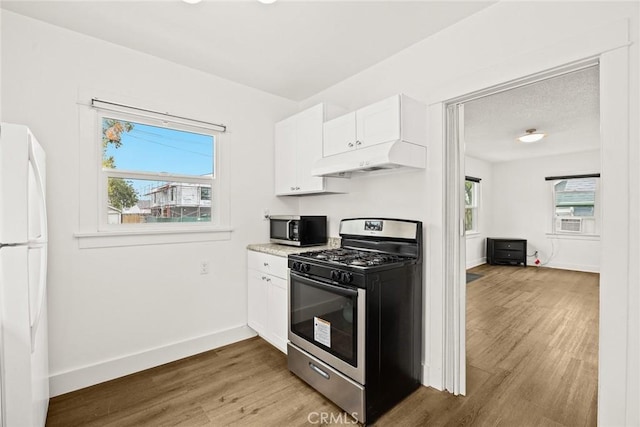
(105, 174)
(92, 231)
(553, 229)
(475, 207)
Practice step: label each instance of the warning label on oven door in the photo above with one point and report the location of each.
(322, 331)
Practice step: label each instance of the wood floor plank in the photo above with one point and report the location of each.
(532, 347)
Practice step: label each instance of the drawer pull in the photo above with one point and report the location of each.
(319, 371)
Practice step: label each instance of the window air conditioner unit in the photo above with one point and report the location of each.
(572, 225)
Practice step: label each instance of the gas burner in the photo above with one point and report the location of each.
(353, 257)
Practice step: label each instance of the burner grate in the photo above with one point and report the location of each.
(353, 257)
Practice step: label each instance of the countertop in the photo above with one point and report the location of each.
(284, 250)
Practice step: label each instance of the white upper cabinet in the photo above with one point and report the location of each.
(378, 123)
(340, 134)
(285, 156)
(396, 118)
(298, 144)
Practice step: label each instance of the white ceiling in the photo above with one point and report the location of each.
(566, 108)
(293, 49)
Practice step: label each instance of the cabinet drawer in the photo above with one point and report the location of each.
(515, 255)
(508, 245)
(266, 263)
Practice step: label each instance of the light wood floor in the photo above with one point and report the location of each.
(532, 345)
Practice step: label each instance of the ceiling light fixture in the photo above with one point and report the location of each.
(192, 1)
(531, 136)
(267, 1)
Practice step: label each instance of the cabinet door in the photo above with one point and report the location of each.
(277, 312)
(309, 148)
(379, 122)
(339, 134)
(257, 301)
(285, 156)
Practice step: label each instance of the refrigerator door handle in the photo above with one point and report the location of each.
(42, 239)
(41, 194)
(42, 292)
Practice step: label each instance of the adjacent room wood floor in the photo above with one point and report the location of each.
(532, 346)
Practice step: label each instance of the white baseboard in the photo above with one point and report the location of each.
(86, 376)
(574, 267)
(476, 262)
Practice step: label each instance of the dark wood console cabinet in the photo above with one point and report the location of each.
(506, 251)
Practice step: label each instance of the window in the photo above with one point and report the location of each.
(155, 172)
(575, 205)
(471, 192)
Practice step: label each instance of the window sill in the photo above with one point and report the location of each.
(563, 236)
(112, 238)
(472, 234)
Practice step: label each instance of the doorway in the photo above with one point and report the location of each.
(536, 324)
(614, 270)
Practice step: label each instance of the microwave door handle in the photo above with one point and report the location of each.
(289, 229)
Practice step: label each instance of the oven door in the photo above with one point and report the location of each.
(327, 320)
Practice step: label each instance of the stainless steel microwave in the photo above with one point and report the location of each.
(299, 230)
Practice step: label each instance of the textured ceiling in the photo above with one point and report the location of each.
(293, 49)
(566, 108)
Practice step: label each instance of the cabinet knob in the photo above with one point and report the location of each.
(264, 277)
(350, 144)
(358, 142)
(268, 279)
(266, 264)
(297, 188)
(293, 188)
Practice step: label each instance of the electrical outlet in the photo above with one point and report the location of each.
(204, 267)
(266, 214)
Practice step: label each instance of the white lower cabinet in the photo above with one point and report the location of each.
(277, 318)
(267, 297)
(257, 297)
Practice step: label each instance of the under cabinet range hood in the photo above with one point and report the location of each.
(388, 155)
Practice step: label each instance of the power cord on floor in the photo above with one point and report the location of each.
(538, 261)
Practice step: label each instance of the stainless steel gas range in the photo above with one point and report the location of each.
(355, 316)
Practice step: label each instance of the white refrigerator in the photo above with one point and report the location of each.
(24, 364)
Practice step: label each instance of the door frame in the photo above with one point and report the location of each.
(609, 45)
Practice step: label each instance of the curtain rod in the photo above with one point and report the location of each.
(587, 175)
(96, 100)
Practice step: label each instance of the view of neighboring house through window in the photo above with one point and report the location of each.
(156, 174)
(576, 205)
(471, 204)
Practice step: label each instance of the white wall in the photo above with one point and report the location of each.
(523, 205)
(459, 57)
(515, 201)
(0, 63)
(116, 310)
(42, 55)
(476, 242)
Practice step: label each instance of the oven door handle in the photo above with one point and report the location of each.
(326, 286)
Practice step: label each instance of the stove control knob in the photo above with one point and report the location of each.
(305, 268)
(335, 275)
(346, 277)
(295, 266)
